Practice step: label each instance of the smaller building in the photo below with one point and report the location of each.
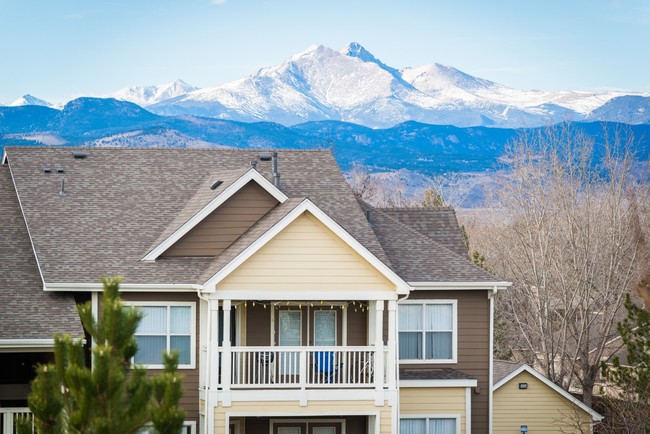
(527, 401)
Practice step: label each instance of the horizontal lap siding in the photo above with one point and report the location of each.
(306, 256)
(431, 401)
(190, 399)
(218, 230)
(473, 345)
(539, 407)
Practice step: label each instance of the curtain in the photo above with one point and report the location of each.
(180, 320)
(442, 426)
(412, 426)
(154, 321)
(324, 328)
(439, 317)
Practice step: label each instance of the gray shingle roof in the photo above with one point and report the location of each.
(439, 224)
(120, 201)
(26, 311)
(433, 374)
(503, 368)
(418, 258)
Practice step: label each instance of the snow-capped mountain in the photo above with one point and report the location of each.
(29, 100)
(147, 95)
(352, 85)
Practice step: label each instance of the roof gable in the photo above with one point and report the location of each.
(566, 395)
(215, 191)
(283, 222)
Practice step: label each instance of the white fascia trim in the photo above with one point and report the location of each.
(4, 159)
(254, 294)
(438, 383)
(403, 288)
(25, 344)
(251, 175)
(124, 287)
(594, 415)
(459, 285)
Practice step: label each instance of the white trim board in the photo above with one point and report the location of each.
(403, 288)
(250, 175)
(438, 383)
(26, 345)
(595, 416)
(124, 287)
(470, 286)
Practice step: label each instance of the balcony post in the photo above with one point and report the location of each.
(226, 355)
(392, 344)
(379, 353)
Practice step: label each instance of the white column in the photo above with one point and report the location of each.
(379, 353)
(392, 344)
(212, 382)
(226, 355)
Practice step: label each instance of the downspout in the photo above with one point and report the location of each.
(397, 357)
(491, 370)
(207, 361)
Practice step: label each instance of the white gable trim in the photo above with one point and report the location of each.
(594, 415)
(250, 175)
(4, 159)
(307, 205)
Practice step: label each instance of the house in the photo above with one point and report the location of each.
(295, 307)
(525, 398)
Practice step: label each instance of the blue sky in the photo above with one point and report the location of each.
(58, 50)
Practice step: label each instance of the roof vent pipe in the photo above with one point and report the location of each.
(254, 164)
(62, 192)
(274, 168)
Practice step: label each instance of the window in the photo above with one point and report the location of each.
(427, 331)
(424, 425)
(165, 327)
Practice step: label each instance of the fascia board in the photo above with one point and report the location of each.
(307, 205)
(124, 287)
(250, 175)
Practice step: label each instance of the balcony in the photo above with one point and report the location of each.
(303, 367)
(8, 418)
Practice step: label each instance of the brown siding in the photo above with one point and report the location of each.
(357, 327)
(218, 230)
(190, 399)
(473, 345)
(258, 327)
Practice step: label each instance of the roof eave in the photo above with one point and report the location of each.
(460, 285)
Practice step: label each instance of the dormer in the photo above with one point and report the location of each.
(224, 207)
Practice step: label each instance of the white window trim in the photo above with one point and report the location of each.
(336, 331)
(454, 335)
(186, 423)
(192, 306)
(433, 416)
(273, 422)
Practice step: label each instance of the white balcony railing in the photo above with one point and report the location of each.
(8, 418)
(302, 367)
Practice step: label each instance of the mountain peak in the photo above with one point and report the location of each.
(354, 49)
(29, 100)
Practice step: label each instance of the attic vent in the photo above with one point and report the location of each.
(216, 184)
(60, 170)
(77, 155)
(47, 170)
(265, 156)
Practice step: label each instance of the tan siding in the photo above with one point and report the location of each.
(473, 346)
(432, 401)
(306, 256)
(293, 409)
(190, 399)
(218, 230)
(540, 407)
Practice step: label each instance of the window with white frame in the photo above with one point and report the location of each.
(165, 326)
(429, 425)
(427, 331)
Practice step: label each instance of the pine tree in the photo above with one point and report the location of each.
(114, 396)
(631, 403)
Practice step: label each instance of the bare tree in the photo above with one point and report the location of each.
(567, 234)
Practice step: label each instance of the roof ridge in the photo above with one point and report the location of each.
(166, 148)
